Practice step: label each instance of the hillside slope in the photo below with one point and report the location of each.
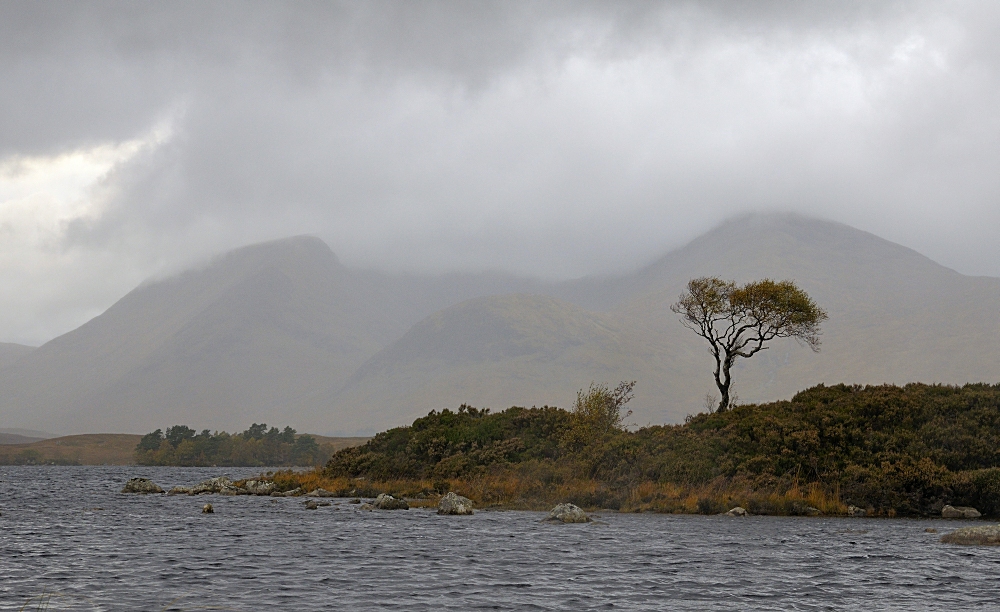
(10, 353)
(492, 351)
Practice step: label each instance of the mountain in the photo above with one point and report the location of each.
(491, 351)
(282, 332)
(895, 317)
(253, 336)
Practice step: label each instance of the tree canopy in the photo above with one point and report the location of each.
(739, 320)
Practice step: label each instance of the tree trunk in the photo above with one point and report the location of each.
(724, 383)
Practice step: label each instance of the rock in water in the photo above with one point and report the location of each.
(567, 513)
(311, 505)
(453, 503)
(207, 509)
(321, 492)
(963, 512)
(258, 487)
(219, 484)
(141, 485)
(179, 491)
(737, 511)
(388, 502)
(855, 511)
(987, 535)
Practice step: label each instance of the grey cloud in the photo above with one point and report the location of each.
(553, 139)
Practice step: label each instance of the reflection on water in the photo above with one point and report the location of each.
(70, 541)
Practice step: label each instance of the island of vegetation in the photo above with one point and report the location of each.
(257, 446)
(885, 450)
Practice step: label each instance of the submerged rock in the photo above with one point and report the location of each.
(141, 485)
(388, 502)
(321, 492)
(179, 491)
(207, 509)
(311, 505)
(986, 535)
(856, 511)
(962, 512)
(453, 503)
(737, 511)
(366, 507)
(567, 513)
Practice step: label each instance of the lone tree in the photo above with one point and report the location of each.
(738, 321)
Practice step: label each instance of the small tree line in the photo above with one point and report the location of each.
(257, 446)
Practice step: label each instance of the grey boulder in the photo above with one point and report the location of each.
(453, 503)
(960, 512)
(567, 513)
(141, 485)
(321, 493)
(737, 511)
(987, 535)
(388, 502)
(218, 484)
(258, 487)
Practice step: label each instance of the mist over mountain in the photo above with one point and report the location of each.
(282, 332)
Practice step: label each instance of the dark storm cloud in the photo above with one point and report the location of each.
(547, 138)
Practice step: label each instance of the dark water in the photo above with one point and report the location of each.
(70, 541)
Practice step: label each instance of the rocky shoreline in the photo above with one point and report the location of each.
(450, 504)
(457, 505)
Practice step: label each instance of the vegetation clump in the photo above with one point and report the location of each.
(257, 446)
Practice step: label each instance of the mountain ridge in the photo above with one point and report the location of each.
(282, 331)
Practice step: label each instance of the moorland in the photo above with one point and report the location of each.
(891, 450)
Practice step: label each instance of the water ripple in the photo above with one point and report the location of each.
(69, 541)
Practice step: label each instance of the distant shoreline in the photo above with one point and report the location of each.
(100, 449)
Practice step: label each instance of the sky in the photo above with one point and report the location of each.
(542, 138)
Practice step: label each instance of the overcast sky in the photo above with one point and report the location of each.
(542, 138)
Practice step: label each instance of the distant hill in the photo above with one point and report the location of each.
(85, 449)
(282, 332)
(27, 433)
(267, 333)
(6, 438)
(10, 353)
